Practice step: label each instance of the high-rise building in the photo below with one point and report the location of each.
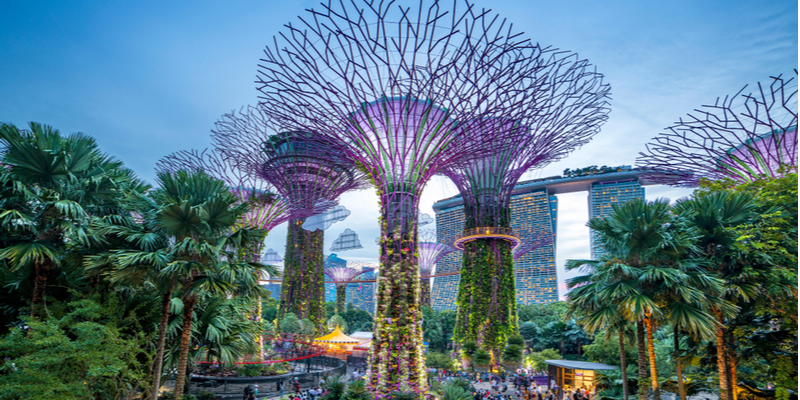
(362, 295)
(274, 290)
(603, 195)
(330, 289)
(534, 212)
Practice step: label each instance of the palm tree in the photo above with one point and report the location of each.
(714, 214)
(594, 311)
(642, 239)
(198, 213)
(58, 183)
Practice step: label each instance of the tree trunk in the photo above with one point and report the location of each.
(651, 350)
(732, 363)
(622, 364)
(642, 361)
(259, 310)
(678, 367)
(186, 341)
(162, 336)
(41, 272)
(341, 298)
(395, 359)
(722, 364)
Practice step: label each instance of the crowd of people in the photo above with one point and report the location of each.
(523, 384)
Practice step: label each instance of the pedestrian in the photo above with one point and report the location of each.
(279, 387)
(248, 393)
(296, 386)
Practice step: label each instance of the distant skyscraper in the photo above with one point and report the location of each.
(330, 289)
(362, 295)
(533, 210)
(274, 290)
(603, 195)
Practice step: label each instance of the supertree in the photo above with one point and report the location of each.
(267, 209)
(560, 105)
(341, 277)
(430, 252)
(310, 173)
(392, 81)
(741, 137)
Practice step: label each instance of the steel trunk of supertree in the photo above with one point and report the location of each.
(390, 81)
(744, 137)
(341, 276)
(559, 106)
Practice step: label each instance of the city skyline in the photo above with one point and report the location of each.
(149, 78)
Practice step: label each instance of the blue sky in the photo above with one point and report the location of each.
(148, 78)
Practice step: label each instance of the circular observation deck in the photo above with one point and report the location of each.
(469, 235)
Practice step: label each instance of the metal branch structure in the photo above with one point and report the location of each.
(347, 240)
(310, 172)
(743, 137)
(430, 252)
(392, 82)
(341, 277)
(558, 106)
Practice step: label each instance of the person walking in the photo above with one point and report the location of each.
(248, 393)
(279, 387)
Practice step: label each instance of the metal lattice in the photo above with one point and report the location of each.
(741, 137)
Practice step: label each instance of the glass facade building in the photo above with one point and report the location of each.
(362, 295)
(603, 195)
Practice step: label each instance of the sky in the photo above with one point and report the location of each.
(149, 78)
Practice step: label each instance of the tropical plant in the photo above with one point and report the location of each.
(335, 321)
(643, 241)
(56, 184)
(537, 360)
(198, 213)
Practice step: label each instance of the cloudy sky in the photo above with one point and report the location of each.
(148, 78)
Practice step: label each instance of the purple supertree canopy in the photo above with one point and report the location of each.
(308, 170)
(741, 137)
(430, 253)
(342, 275)
(268, 210)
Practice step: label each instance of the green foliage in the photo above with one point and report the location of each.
(536, 360)
(438, 328)
(481, 358)
(336, 320)
(513, 353)
(290, 324)
(516, 340)
(605, 349)
(357, 320)
(357, 390)
(456, 391)
(438, 360)
(81, 355)
(205, 395)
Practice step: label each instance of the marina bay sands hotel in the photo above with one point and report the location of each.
(534, 211)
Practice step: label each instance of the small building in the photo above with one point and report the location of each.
(571, 375)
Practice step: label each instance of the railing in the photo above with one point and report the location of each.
(489, 232)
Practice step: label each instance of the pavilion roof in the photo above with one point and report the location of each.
(336, 337)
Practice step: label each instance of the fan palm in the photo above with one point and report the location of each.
(58, 183)
(198, 212)
(594, 311)
(714, 215)
(643, 240)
